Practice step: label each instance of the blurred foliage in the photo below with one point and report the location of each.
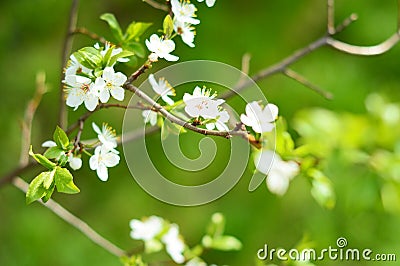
(358, 143)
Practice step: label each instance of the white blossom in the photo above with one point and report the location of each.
(149, 117)
(102, 159)
(163, 88)
(174, 244)
(49, 144)
(111, 83)
(202, 103)
(186, 31)
(196, 262)
(184, 12)
(74, 162)
(146, 230)
(221, 118)
(106, 135)
(209, 3)
(153, 57)
(81, 90)
(261, 120)
(74, 67)
(279, 172)
(161, 48)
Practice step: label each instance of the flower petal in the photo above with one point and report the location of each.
(102, 172)
(118, 93)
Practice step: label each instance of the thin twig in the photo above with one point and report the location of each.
(86, 115)
(381, 48)
(352, 18)
(90, 34)
(245, 67)
(278, 67)
(30, 110)
(322, 41)
(138, 72)
(157, 5)
(299, 78)
(331, 17)
(68, 217)
(67, 46)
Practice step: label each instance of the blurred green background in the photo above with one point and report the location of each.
(31, 40)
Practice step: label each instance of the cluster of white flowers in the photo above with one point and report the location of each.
(83, 86)
(183, 20)
(105, 155)
(155, 231)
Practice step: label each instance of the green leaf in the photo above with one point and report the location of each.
(36, 189)
(61, 138)
(122, 54)
(89, 57)
(114, 25)
(322, 189)
(135, 30)
(48, 179)
(42, 160)
(136, 48)
(168, 26)
(54, 153)
(49, 192)
(107, 56)
(226, 243)
(64, 181)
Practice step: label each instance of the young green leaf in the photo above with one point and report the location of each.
(48, 179)
(107, 56)
(114, 26)
(53, 153)
(114, 58)
(89, 57)
(226, 243)
(42, 160)
(168, 26)
(61, 138)
(64, 181)
(135, 30)
(136, 48)
(322, 189)
(36, 189)
(49, 192)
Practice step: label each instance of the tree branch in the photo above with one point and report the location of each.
(157, 5)
(157, 107)
(301, 79)
(67, 46)
(30, 110)
(331, 17)
(381, 48)
(90, 34)
(68, 217)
